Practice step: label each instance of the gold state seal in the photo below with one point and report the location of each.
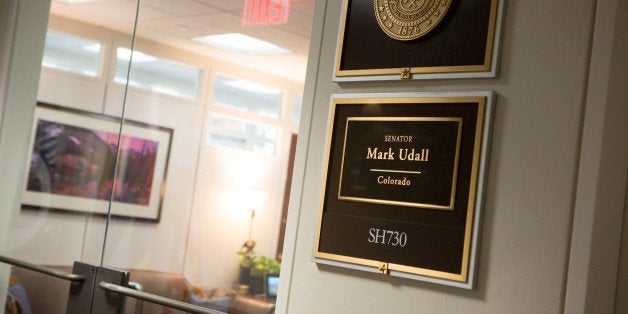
(409, 19)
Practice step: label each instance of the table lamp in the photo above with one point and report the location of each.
(254, 201)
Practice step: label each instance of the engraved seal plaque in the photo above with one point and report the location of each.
(409, 19)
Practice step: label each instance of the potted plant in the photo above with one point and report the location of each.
(254, 268)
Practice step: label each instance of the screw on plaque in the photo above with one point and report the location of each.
(406, 74)
(383, 269)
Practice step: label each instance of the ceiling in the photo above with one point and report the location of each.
(175, 22)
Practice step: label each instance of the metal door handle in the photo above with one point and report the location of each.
(133, 290)
(171, 303)
(139, 304)
(42, 269)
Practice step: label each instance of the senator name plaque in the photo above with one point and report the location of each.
(386, 160)
(403, 184)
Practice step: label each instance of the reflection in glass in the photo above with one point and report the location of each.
(71, 53)
(192, 241)
(247, 96)
(228, 132)
(156, 74)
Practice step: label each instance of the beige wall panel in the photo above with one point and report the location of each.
(73, 91)
(532, 172)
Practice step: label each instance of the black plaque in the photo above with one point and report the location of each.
(401, 183)
(461, 44)
(401, 161)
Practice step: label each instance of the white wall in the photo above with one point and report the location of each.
(533, 179)
(200, 230)
(22, 46)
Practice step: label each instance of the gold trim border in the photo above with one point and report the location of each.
(486, 67)
(463, 276)
(454, 179)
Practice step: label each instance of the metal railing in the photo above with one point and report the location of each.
(42, 269)
(134, 290)
(140, 295)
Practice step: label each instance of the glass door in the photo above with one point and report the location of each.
(158, 146)
(60, 145)
(217, 84)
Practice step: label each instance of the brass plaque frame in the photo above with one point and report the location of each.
(361, 45)
(340, 234)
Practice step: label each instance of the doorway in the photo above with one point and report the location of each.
(141, 154)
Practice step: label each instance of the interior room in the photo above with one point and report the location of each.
(224, 121)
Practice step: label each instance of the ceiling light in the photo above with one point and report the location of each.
(241, 43)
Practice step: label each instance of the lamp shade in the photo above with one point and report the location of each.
(255, 199)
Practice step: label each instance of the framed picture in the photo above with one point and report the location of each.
(76, 153)
(397, 40)
(403, 184)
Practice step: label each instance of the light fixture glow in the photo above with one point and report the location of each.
(241, 43)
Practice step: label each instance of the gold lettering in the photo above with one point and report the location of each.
(376, 154)
(398, 138)
(414, 154)
(371, 154)
(394, 181)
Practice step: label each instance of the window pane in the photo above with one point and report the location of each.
(298, 103)
(72, 54)
(158, 75)
(247, 96)
(228, 132)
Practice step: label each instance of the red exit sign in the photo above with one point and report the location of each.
(263, 12)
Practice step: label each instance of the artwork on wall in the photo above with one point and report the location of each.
(395, 40)
(76, 153)
(403, 184)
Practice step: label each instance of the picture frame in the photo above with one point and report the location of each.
(74, 155)
(403, 184)
(462, 40)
